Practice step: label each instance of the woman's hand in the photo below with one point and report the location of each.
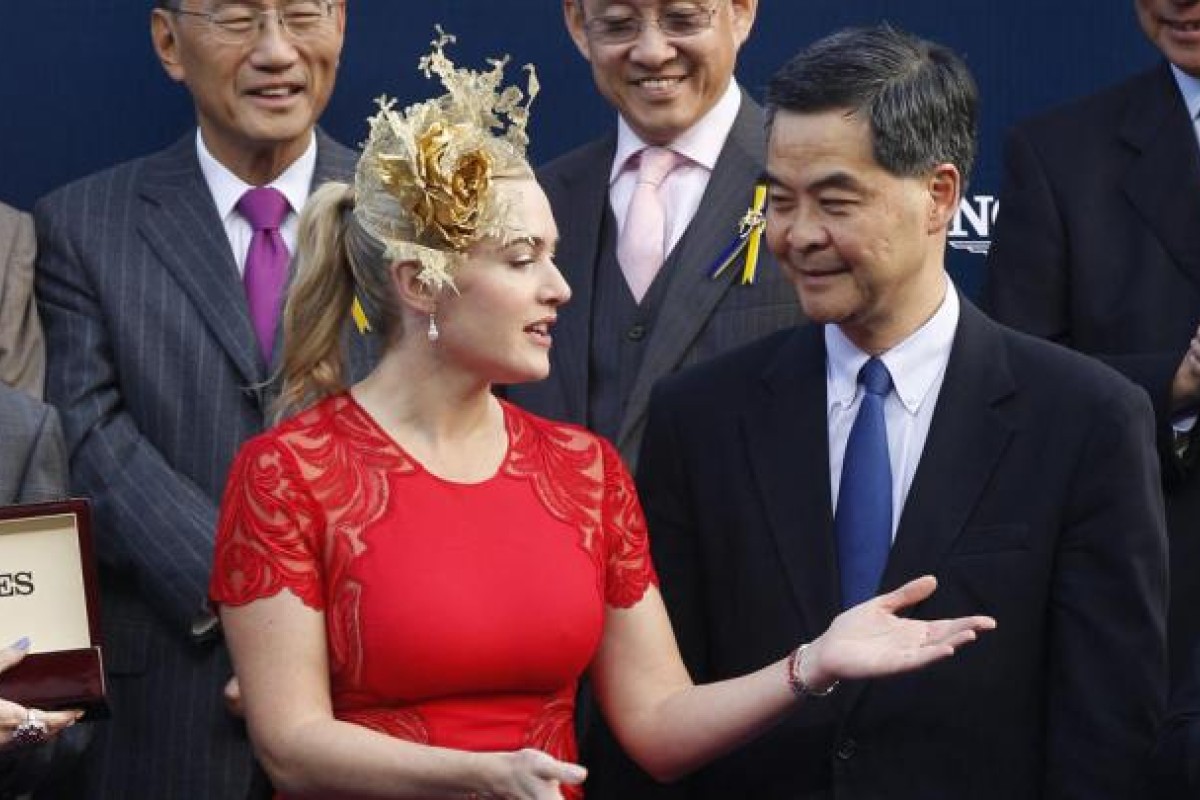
(20, 725)
(870, 640)
(530, 775)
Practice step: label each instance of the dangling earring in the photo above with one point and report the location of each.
(433, 330)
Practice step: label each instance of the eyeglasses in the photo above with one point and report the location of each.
(238, 23)
(675, 23)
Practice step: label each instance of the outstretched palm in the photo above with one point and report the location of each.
(870, 640)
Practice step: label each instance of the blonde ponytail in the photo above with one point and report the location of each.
(318, 303)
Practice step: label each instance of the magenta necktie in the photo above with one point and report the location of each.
(266, 261)
(642, 245)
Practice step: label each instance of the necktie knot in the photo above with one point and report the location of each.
(875, 378)
(264, 208)
(654, 164)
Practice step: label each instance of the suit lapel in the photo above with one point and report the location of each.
(692, 296)
(966, 440)
(580, 200)
(335, 162)
(787, 440)
(180, 223)
(1163, 181)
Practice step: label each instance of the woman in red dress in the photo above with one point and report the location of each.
(413, 574)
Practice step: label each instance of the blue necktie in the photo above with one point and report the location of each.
(863, 521)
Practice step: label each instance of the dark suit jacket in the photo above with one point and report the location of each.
(1036, 501)
(1176, 767)
(154, 366)
(1097, 246)
(34, 466)
(22, 351)
(699, 318)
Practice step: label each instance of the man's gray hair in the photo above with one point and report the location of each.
(918, 96)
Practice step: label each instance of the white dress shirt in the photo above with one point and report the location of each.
(227, 188)
(700, 146)
(1189, 87)
(917, 366)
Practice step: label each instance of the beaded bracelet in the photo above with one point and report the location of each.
(795, 676)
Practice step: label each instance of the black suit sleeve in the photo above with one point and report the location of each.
(674, 538)
(1106, 665)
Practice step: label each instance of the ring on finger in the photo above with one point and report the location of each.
(32, 730)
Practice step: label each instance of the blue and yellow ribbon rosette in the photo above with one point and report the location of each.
(747, 240)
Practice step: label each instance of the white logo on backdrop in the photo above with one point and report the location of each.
(972, 228)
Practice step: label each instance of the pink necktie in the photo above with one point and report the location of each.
(266, 261)
(642, 245)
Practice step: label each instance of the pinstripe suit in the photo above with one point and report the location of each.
(154, 366)
(699, 318)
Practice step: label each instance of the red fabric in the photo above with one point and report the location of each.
(459, 615)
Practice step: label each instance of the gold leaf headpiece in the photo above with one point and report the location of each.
(425, 184)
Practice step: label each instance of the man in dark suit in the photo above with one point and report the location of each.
(1022, 475)
(160, 374)
(1097, 246)
(667, 68)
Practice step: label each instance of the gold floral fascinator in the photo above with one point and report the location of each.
(425, 183)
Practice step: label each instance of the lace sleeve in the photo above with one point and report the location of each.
(265, 534)
(628, 569)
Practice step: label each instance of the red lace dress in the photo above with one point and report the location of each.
(458, 615)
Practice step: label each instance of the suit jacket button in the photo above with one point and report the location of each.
(636, 333)
(846, 749)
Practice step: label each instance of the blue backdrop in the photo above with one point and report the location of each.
(82, 88)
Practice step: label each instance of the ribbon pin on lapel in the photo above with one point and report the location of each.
(748, 239)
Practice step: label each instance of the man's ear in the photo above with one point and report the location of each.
(166, 42)
(744, 12)
(945, 190)
(574, 18)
